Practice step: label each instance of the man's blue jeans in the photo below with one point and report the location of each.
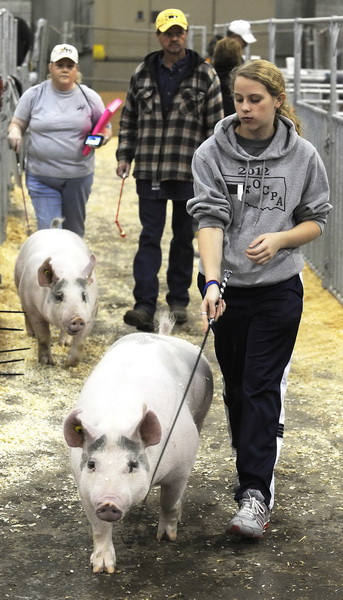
(147, 262)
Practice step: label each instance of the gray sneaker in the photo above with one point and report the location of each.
(252, 517)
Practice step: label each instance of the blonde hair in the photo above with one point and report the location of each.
(227, 54)
(271, 77)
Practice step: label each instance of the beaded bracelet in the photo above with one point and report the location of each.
(211, 282)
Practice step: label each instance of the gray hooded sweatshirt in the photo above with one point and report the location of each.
(247, 196)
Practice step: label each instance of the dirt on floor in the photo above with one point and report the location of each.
(45, 536)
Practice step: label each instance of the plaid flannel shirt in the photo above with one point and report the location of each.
(163, 148)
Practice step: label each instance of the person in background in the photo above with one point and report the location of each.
(241, 31)
(24, 40)
(260, 192)
(59, 113)
(211, 46)
(172, 105)
(227, 55)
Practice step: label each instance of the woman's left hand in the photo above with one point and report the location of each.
(106, 134)
(105, 139)
(263, 248)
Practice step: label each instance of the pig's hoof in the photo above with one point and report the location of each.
(171, 533)
(72, 362)
(104, 569)
(168, 532)
(46, 360)
(102, 566)
(104, 561)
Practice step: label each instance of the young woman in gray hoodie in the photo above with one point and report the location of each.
(261, 192)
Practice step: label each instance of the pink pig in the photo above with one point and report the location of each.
(120, 424)
(56, 285)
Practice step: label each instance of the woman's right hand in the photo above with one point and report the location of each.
(14, 137)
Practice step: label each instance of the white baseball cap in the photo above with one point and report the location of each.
(242, 28)
(64, 51)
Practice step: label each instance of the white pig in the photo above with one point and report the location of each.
(56, 285)
(120, 424)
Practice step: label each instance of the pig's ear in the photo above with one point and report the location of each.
(75, 431)
(46, 274)
(149, 429)
(87, 271)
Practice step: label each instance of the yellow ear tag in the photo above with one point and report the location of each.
(78, 429)
(47, 272)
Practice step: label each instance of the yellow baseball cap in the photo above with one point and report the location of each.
(168, 18)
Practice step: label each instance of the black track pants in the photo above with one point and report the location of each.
(254, 341)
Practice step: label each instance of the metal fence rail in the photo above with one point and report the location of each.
(12, 75)
(324, 128)
(325, 254)
(315, 123)
(8, 56)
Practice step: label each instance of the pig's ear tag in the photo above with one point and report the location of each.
(78, 429)
(48, 274)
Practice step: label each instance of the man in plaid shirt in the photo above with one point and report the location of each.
(173, 103)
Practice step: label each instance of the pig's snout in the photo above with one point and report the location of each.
(75, 325)
(108, 512)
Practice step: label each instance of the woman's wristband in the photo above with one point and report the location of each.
(208, 283)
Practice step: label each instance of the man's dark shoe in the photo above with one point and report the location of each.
(179, 312)
(139, 318)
